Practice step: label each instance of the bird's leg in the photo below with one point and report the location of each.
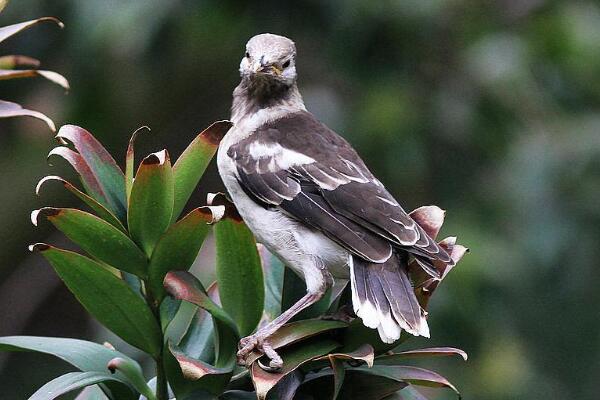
(259, 340)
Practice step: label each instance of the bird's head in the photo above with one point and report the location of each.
(269, 60)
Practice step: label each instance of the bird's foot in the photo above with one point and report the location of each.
(259, 343)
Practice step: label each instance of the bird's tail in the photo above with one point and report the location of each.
(383, 297)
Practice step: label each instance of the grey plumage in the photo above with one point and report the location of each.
(308, 196)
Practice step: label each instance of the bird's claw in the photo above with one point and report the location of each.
(259, 343)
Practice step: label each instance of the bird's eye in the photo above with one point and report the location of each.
(286, 64)
(247, 55)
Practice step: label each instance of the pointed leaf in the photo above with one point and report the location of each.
(408, 393)
(130, 161)
(430, 218)
(92, 393)
(69, 382)
(393, 359)
(8, 31)
(52, 76)
(184, 286)
(106, 297)
(88, 179)
(198, 340)
(356, 385)
(412, 375)
(239, 273)
(9, 109)
(273, 270)
(287, 387)
(97, 237)
(133, 373)
(194, 369)
(84, 355)
(12, 61)
(98, 208)
(104, 168)
(192, 163)
(364, 353)
(237, 395)
(293, 358)
(151, 201)
(178, 247)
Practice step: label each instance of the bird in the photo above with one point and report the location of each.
(309, 198)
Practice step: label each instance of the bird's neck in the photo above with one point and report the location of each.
(251, 99)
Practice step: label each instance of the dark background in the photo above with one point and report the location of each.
(489, 109)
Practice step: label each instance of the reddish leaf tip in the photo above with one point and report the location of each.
(156, 158)
(114, 364)
(175, 285)
(38, 247)
(45, 211)
(215, 132)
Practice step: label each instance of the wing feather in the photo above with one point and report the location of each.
(307, 170)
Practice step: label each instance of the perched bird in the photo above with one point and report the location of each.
(310, 199)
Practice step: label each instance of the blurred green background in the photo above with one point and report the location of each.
(489, 109)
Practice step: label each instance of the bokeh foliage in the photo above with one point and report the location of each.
(488, 109)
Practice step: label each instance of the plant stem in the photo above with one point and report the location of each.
(162, 392)
(162, 386)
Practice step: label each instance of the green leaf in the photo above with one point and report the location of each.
(408, 393)
(8, 31)
(98, 208)
(91, 393)
(356, 385)
(84, 355)
(97, 237)
(237, 395)
(133, 372)
(412, 375)
(106, 297)
(184, 286)
(178, 247)
(198, 340)
(294, 288)
(293, 358)
(192, 163)
(239, 273)
(88, 179)
(102, 165)
(364, 353)
(393, 359)
(9, 109)
(273, 271)
(151, 201)
(357, 334)
(130, 161)
(69, 382)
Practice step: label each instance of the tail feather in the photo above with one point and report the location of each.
(383, 298)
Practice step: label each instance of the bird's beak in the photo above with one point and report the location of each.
(265, 68)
